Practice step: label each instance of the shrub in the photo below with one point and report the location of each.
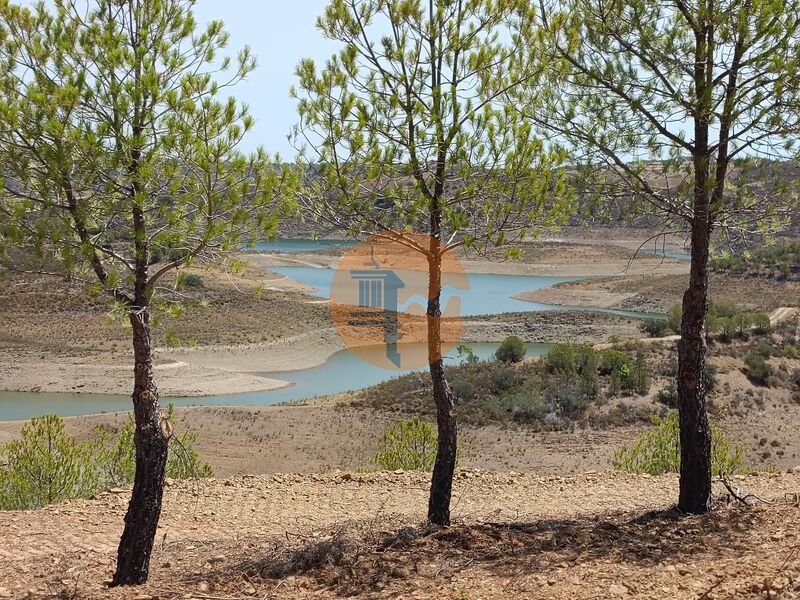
(657, 451)
(762, 323)
(764, 349)
(674, 316)
(511, 350)
(668, 396)
(409, 445)
(525, 405)
(791, 351)
(710, 377)
(796, 377)
(587, 363)
(464, 389)
(466, 354)
(46, 466)
(567, 397)
(757, 369)
(657, 328)
(561, 359)
(613, 361)
(639, 380)
(503, 380)
(191, 281)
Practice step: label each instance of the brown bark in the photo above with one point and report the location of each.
(445, 464)
(695, 434)
(151, 439)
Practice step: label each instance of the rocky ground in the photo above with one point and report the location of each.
(596, 535)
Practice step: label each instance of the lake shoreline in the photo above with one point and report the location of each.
(255, 324)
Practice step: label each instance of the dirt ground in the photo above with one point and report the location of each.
(658, 292)
(596, 535)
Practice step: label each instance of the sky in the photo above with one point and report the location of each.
(280, 33)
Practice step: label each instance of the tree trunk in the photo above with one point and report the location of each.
(695, 434)
(443, 468)
(151, 439)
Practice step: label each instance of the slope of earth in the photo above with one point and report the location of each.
(658, 293)
(361, 535)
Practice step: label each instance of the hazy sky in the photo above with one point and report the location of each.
(280, 34)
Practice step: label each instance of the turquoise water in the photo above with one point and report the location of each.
(488, 294)
(342, 372)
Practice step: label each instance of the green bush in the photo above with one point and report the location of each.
(466, 354)
(657, 328)
(48, 466)
(409, 445)
(762, 323)
(791, 351)
(657, 451)
(567, 397)
(640, 375)
(764, 349)
(674, 316)
(757, 369)
(464, 389)
(503, 380)
(511, 350)
(191, 281)
(612, 361)
(561, 359)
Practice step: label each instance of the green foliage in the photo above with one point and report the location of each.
(47, 466)
(757, 369)
(657, 451)
(430, 105)
(764, 349)
(561, 359)
(614, 361)
(640, 376)
(123, 149)
(791, 351)
(409, 445)
(191, 281)
(464, 389)
(466, 354)
(511, 350)
(674, 318)
(778, 261)
(727, 320)
(657, 328)
(503, 379)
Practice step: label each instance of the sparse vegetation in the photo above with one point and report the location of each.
(409, 445)
(657, 451)
(780, 261)
(47, 466)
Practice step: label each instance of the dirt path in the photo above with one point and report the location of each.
(323, 536)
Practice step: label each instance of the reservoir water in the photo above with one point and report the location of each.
(488, 294)
(342, 372)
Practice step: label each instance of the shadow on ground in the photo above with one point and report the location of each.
(365, 557)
